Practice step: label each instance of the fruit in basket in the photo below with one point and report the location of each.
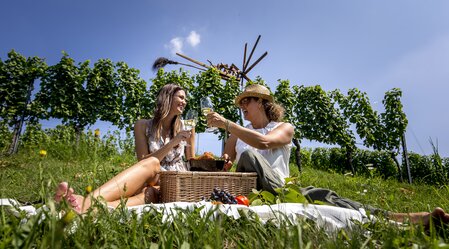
(206, 162)
(205, 156)
(242, 200)
(221, 196)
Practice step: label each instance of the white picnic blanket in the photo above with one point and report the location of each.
(328, 217)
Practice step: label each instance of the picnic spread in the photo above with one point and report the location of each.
(182, 192)
(330, 218)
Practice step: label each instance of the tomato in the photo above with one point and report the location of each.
(242, 200)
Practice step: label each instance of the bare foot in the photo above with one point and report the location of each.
(64, 192)
(438, 218)
(61, 191)
(74, 201)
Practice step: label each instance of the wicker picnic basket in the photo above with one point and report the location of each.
(191, 186)
(206, 165)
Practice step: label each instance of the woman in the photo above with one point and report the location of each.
(263, 146)
(158, 147)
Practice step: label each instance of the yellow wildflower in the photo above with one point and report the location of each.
(88, 189)
(43, 153)
(97, 132)
(68, 217)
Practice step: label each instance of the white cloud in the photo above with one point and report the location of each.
(175, 45)
(194, 38)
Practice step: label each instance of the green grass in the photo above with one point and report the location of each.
(30, 178)
(386, 194)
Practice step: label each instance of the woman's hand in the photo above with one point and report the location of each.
(183, 135)
(228, 163)
(215, 120)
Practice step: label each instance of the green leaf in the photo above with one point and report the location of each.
(269, 197)
(257, 202)
(292, 196)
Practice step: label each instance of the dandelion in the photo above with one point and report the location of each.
(97, 132)
(68, 217)
(88, 189)
(43, 153)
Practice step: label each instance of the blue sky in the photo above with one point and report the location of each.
(370, 45)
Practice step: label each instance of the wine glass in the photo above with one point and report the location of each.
(206, 108)
(189, 122)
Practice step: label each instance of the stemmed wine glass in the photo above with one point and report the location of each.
(206, 107)
(189, 122)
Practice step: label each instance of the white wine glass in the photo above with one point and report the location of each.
(206, 108)
(189, 122)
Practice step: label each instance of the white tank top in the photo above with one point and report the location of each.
(173, 160)
(278, 158)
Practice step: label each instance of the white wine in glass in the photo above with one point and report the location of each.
(189, 122)
(206, 108)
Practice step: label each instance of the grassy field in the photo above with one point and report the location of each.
(30, 178)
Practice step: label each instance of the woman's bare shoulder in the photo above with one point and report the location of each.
(141, 124)
(285, 125)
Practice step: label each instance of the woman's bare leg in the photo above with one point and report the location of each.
(135, 200)
(148, 195)
(438, 216)
(125, 184)
(129, 181)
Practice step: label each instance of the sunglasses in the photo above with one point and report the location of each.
(246, 101)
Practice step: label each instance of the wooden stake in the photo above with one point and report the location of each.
(251, 54)
(223, 74)
(192, 60)
(255, 63)
(244, 57)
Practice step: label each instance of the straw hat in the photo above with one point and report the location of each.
(255, 90)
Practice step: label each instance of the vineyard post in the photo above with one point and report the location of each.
(349, 159)
(19, 125)
(17, 76)
(405, 154)
(298, 161)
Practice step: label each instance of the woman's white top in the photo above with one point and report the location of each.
(278, 158)
(173, 161)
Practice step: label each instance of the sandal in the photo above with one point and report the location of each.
(61, 191)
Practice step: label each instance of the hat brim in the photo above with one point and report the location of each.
(243, 95)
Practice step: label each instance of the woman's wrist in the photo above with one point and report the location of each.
(227, 123)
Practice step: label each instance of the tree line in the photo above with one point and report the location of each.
(79, 94)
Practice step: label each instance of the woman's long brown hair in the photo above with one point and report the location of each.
(274, 111)
(163, 104)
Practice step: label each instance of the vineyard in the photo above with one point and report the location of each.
(79, 95)
(34, 160)
(139, 124)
